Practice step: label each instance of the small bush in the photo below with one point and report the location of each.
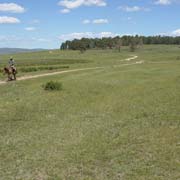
(53, 86)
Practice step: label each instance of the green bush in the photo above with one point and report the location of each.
(53, 86)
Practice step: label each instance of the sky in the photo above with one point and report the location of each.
(48, 23)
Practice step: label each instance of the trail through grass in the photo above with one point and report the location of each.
(74, 70)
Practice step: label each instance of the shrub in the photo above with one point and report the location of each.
(53, 86)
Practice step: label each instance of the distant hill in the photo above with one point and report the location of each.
(17, 50)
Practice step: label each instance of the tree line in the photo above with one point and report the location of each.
(117, 42)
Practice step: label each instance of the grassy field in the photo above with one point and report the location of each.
(115, 123)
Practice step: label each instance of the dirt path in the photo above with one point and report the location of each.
(74, 70)
(130, 59)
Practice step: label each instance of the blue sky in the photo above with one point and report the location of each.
(47, 23)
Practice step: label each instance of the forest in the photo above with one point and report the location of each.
(117, 42)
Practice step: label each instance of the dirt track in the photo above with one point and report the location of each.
(130, 59)
(74, 70)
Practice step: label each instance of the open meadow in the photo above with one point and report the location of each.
(119, 120)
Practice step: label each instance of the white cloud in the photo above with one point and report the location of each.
(133, 8)
(14, 38)
(30, 28)
(72, 4)
(176, 32)
(9, 38)
(100, 21)
(8, 20)
(106, 34)
(76, 35)
(172, 33)
(163, 2)
(11, 7)
(86, 21)
(95, 21)
(40, 39)
(26, 42)
(65, 11)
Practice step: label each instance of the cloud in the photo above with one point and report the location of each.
(163, 2)
(11, 7)
(65, 11)
(172, 33)
(95, 21)
(81, 35)
(9, 38)
(106, 34)
(8, 20)
(176, 32)
(30, 28)
(86, 21)
(100, 21)
(40, 39)
(72, 4)
(26, 42)
(14, 38)
(133, 8)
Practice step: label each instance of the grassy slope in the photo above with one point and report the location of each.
(113, 123)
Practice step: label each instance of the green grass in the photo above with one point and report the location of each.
(111, 123)
(41, 68)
